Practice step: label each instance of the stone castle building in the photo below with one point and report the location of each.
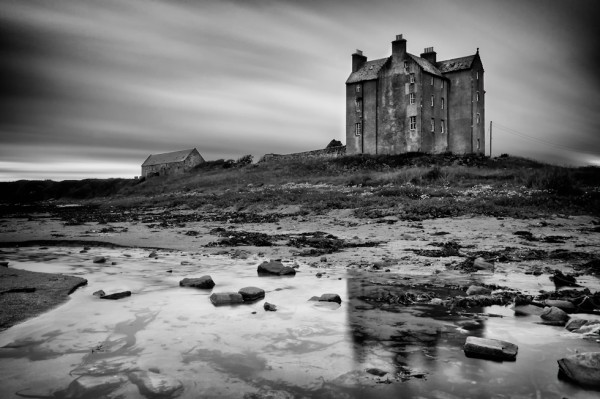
(171, 163)
(404, 103)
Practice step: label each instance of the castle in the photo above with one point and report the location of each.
(404, 103)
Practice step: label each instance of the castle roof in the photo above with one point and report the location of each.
(369, 71)
(456, 64)
(426, 65)
(167, 157)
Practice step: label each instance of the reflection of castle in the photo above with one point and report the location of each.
(406, 103)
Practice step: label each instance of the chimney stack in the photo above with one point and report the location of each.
(399, 47)
(358, 60)
(429, 55)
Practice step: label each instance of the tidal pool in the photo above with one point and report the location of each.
(90, 347)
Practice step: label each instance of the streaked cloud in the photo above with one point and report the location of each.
(117, 80)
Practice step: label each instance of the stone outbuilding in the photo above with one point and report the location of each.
(405, 103)
(171, 163)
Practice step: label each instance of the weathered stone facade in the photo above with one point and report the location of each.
(406, 103)
(171, 163)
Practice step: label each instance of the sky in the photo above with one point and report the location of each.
(90, 88)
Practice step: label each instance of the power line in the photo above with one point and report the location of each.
(535, 139)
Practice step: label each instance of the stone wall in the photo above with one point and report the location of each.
(332, 152)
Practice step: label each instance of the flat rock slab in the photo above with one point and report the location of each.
(204, 282)
(582, 368)
(528, 310)
(275, 268)
(155, 385)
(99, 259)
(327, 298)
(92, 386)
(251, 293)
(116, 295)
(226, 298)
(487, 348)
(565, 306)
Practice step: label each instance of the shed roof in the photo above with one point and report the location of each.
(369, 71)
(167, 157)
(426, 65)
(456, 64)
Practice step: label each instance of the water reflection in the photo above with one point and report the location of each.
(174, 338)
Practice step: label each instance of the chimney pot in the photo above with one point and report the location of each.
(359, 52)
(398, 37)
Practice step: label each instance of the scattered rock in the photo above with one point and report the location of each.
(153, 254)
(156, 385)
(276, 268)
(251, 293)
(327, 298)
(99, 259)
(204, 282)
(226, 298)
(563, 280)
(482, 264)
(528, 310)
(487, 348)
(566, 306)
(4, 263)
(269, 307)
(478, 290)
(99, 293)
(554, 316)
(582, 368)
(117, 295)
(323, 259)
(319, 275)
(185, 263)
(470, 324)
(377, 372)
(90, 386)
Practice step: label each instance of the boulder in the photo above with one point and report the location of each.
(478, 290)
(482, 264)
(117, 295)
(269, 307)
(582, 368)
(99, 259)
(99, 293)
(153, 254)
(575, 324)
(156, 385)
(204, 282)
(528, 310)
(470, 324)
(276, 268)
(252, 293)
(327, 298)
(566, 306)
(487, 348)
(226, 298)
(92, 386)
(554, 316)
(4, 263)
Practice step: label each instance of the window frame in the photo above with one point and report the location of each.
(358, 88)
(442, 129)
(432, 81)
(478, 118)
(411, 98)
(413, 122)
(358, 105)
(358, 128)
(432, 101)
(443, 103)
(432, 125)
(412, 77)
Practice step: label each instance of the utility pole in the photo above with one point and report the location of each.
(490, 139)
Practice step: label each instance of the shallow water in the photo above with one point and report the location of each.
(304, 348)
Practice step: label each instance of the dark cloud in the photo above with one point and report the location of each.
(113, 81)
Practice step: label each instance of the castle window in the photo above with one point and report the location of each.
(432, 80)
(413, 123)
(478, 118)
(412, 78)
(412, 98)
(478, 144)
(442, 83)
(477, 96)
(406, 66)
(477, 75)
(442, 102)
(442, 129)
(358, 129)
(358, 88)
(432, 125)
(432, 100)
(358, 104)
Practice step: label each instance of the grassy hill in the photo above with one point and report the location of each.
(407, 186)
